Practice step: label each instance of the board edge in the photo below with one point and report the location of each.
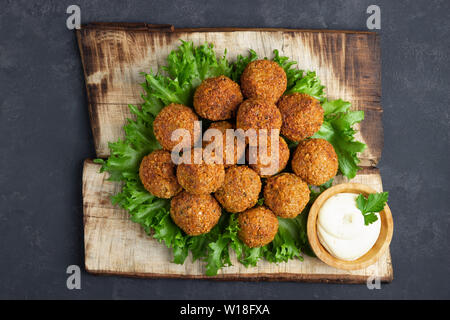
(148, 27)
(268, 277)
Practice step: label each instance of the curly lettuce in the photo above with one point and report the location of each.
(186, 68)
(337, 127)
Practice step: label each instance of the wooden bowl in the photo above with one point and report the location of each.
(382, 243)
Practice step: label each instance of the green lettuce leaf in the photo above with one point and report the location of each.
(186, 68)
(240, 64)
(338, 119)
(286, 244)
(337, 129)
(293, 74)
(309, 84)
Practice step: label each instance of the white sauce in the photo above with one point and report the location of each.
(341, 229)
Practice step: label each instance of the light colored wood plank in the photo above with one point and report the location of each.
(115, 245)
(347, 63)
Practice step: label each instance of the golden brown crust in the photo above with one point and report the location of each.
(157, 174)
(286, 195)
(265, 162)
(172, 117)
(195, 214)
(315, 161)
(217, 98)
(257, 226)
(258, 114)
(263, 79)
(240, 189)
(203, 178)
(302, 116)
(222, 126)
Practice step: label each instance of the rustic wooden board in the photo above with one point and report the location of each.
(348, 63)
(113, 55)
(115, 245)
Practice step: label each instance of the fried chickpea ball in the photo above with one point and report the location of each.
(257, 227)
(157, 174)
(263, 165)
(200, 178)
(302, 116)
(195, 214)
(258, 114)
(263, 79)
(172, 117)
(286, 195)
(240, 189)
(222, 126)
(217, 98)
(315, 161)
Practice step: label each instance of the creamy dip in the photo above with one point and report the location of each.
(341, 229)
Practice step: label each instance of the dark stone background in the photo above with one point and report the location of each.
(45, 136)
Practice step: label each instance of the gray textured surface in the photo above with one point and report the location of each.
(45, 136)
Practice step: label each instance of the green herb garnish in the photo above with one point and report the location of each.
(371, 205)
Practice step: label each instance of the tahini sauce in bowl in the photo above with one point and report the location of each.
(341, 229)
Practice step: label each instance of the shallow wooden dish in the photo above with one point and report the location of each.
(384, 239)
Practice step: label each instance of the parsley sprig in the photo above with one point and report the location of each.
(374, 203)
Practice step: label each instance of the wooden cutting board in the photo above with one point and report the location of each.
(113, 55)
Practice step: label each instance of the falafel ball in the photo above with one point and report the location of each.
(286, 195)
(302, 116)
(263, 164)
(195, 214)
(263, 79)
(240, 189)
(257, 227)
(157, 174)
(200, 178)
(172, 117)
(217, 98)
(258, 114)
(315, 161)
(222, 126)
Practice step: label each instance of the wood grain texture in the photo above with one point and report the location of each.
(115, 245)
(113, 55)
